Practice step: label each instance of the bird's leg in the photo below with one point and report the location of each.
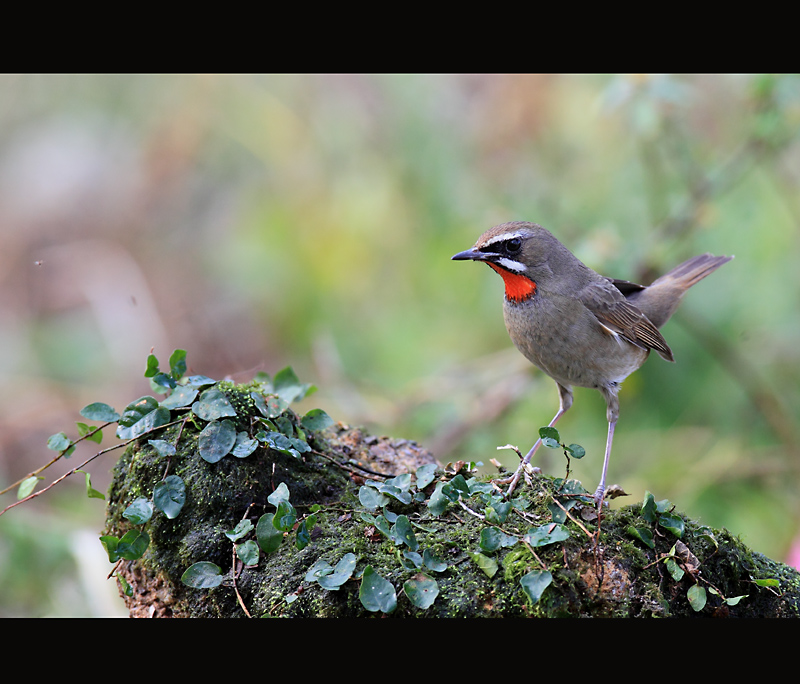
(565, 401)
(612, 414)
(601, 488)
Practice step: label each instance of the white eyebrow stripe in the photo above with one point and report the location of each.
(510, 264)
(502, 238)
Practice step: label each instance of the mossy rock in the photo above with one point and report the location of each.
(612, 574)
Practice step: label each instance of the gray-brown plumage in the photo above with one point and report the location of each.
(576, 325)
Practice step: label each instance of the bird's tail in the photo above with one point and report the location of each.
(659, 300)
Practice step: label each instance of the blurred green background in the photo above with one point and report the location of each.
(265, 221)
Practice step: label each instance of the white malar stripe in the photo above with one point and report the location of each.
(510, 264)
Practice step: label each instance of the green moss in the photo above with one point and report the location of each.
(614, 575)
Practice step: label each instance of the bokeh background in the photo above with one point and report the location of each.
(309, 220)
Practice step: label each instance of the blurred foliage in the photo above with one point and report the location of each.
(262, 221)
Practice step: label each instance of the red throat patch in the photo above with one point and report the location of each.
(518, 287)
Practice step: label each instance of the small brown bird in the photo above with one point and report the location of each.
(576, 325)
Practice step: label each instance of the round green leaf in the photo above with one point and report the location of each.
(269, 538)
(425, 475)
(139, 512)
(697, 597)
(280, 493)
(100, 412)
(169, 496)
(421, 590)
(141, 416)
(162, 447)
(376, 593)
(132, 545)
(671, 522)
(58, 442)
(244, 446)
(248, 552)
(316, 419)
(546, 534)
(242, 528)
(339, 575)
(370, 498)
(433, 562)
(182, 396)
(534, 584)
(404, 534)
(27, 486)
(216, 440)
(202, 575)
(285, 517)
(549, 433)
(213, 405)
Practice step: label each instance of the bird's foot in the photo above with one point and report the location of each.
(512, 481)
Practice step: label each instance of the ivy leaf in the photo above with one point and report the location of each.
(319, 569)
(404, 534)
(100, 412)
(425, 475)
(163, 448)
(244, 446)
(421, 590)
(376, 593)
(439, 501)
(280, 493)
(643, 534)
(216, 440)
(303, 537)
(141, 416)
(242, 528)
(151, 368)
(534, 584)
(338, 575)
(269, 538)
(493, 539)
(202, 575)
(546, 534)
(248, 552)
(697, 597)
(672, 522)
(498, 512)
(371, 499)
(315, 420)
(433, 562)
(288, 386)
(169, 495)
(213, 405)
(285, 517)
(182, 396)
(132, 545)
(177, 364)
(649, 508)
(139, 512)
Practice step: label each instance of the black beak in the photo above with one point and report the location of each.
(469, 255)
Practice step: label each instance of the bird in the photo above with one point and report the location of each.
(579, 327)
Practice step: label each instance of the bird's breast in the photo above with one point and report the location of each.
(564, 339)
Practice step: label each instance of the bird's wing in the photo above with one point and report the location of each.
(619, 317)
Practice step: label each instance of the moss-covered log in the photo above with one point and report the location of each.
(454, 540)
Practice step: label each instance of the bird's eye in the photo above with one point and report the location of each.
(513, 245)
